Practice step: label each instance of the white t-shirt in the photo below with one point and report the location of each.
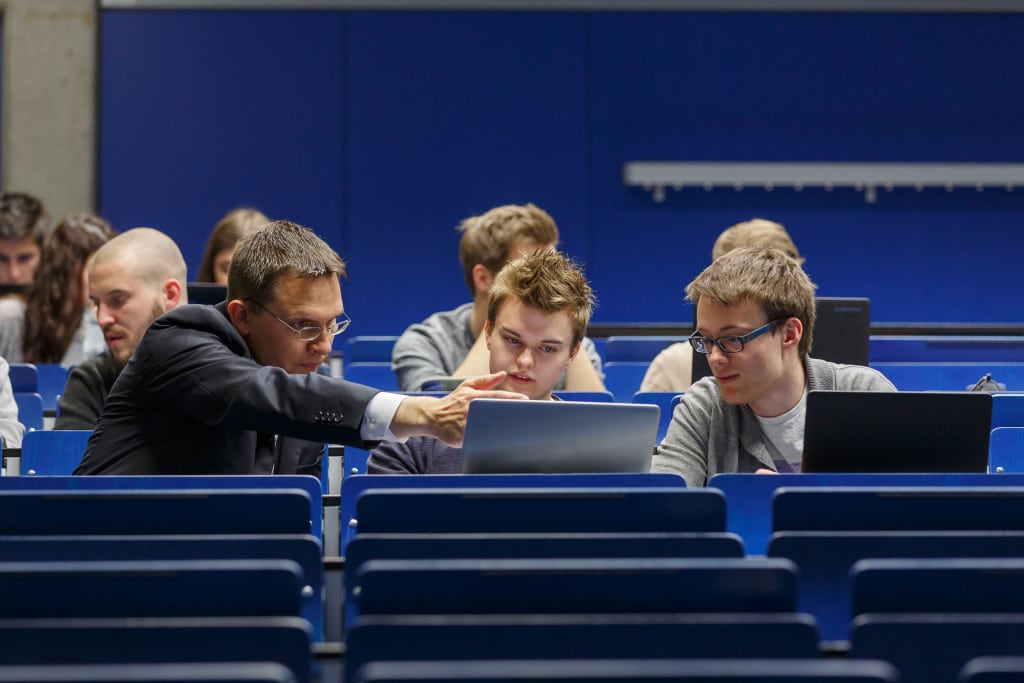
(786, 433)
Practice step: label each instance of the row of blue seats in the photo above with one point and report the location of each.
(882, 348)
(185, 570)
(913, 363)
(441, 574)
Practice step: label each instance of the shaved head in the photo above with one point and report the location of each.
(146, 253)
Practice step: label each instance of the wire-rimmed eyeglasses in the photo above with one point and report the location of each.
(729, 344)
(308, 333)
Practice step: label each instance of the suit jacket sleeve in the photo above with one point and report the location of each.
(206, 371)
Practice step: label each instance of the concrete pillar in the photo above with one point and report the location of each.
(48, 145)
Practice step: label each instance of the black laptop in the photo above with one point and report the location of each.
(904, 431)
(841, 331)
(206, 293)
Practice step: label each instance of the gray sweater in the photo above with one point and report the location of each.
(708, 436)
(437, 346)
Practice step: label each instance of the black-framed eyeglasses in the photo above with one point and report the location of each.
(732, 343)
(308, 333)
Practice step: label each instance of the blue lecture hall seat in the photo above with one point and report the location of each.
(52, 452)
(303, 549)
(926, 648)
(284, 640)
(951, 376)
(578, 636)
(637, 348)
(824, 559)
(574, 586)
(180, 672)
(890, 508)
(623, 378)
(630, 670)
(375, 374)
(1006, 450)
(51, 380)
(354, 486)
(993, 670)
(369, 349)
(171, 511)
(311, 485)
(30, 409)
(540, 509)
(666, 401)
(749, 496)
(978, 585)
(145, 588)
(946, 348)
(1007, 410)
(24, 377)
(591, 396)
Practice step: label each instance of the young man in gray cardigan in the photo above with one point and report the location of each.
(755, 316)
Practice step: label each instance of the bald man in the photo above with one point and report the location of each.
(133, 279)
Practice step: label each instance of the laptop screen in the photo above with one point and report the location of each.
(841, 331)
(516, 437)
(907, 431)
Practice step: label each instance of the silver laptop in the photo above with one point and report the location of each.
(516, 437)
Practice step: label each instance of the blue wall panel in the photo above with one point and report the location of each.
(810, 87)
(381, 130)
(205, 111)
(451, 114)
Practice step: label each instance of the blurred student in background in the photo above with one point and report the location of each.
(672, 369)
(23, 227)
(54, 324)
(11, 430)
(452, 343)
(133, 280)
(221, 244)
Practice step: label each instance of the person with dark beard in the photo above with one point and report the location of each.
(133, 280)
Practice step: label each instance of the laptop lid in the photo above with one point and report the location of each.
(842, 329)
(209, 293)
(514, 437)
(906, 431)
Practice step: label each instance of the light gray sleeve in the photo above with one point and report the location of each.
(860, 378)
(595, 358)
(686, 445)
(12, 327)
(418, 356)
(10, 428)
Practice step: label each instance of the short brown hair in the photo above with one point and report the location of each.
(766, 276)
(757, 232)
(489, 238)
(22, 215)
(278, 248)
(548, 281)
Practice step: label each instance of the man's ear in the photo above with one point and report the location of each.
(792, 331)
(572, 355)
(482, 278)
(172, 291)
(239, 315)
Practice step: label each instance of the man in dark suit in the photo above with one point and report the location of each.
(234, 389)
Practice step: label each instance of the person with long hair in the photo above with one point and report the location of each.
(221, 244)
(52, 324)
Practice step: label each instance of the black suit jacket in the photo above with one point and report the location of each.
(192, 401)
